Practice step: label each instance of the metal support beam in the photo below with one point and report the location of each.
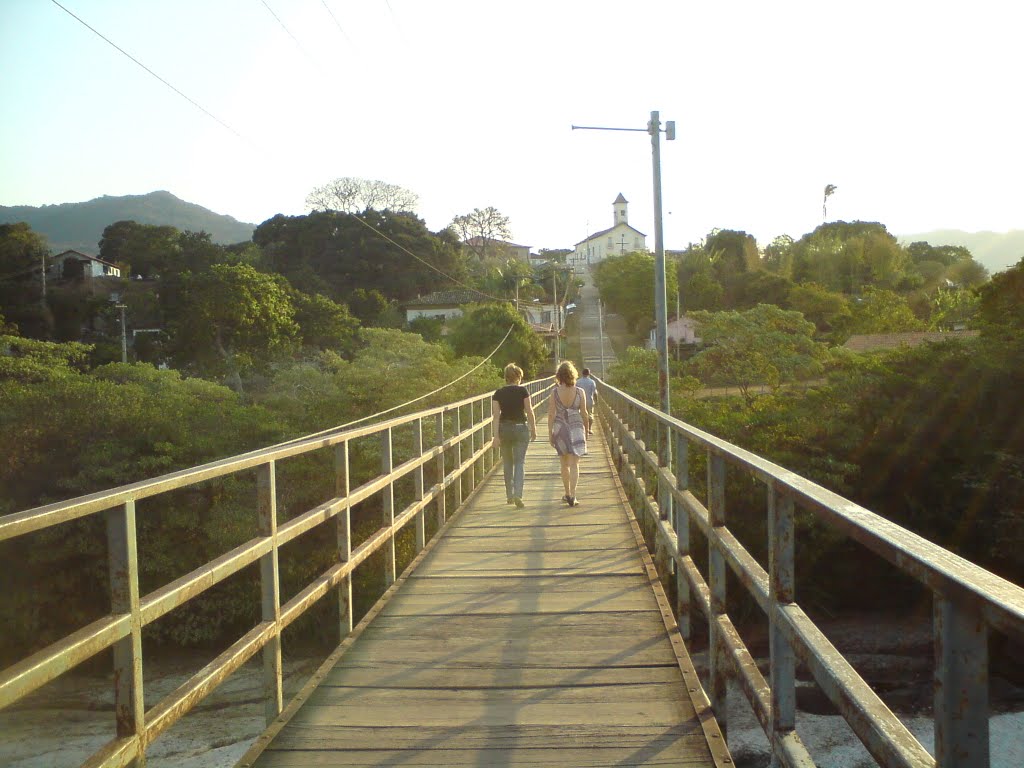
(961, 686)
(719, 651)
(273, 688)
(343, 525)
(387, 465)
(781, 590)
(122, 554)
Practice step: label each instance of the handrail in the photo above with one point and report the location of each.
(471, 442)
(968, 598)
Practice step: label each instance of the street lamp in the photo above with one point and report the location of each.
(660, 300)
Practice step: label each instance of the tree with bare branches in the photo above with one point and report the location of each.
(349, 194)
(482, 230)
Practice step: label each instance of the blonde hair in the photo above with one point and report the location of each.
(513, 374)
(566, 374)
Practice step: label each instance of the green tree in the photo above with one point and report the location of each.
(323, 324)
(953, 308)
(764, 345)
(337, 253)
(144, 249)
(626, 284)
(230, 320)
(22, 252)
(882, 311)
(828, 310)
(1002, 300)
(482, 327)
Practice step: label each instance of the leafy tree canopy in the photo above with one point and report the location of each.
(481, 329)
(763, 345)
(626, 284)
(337, 253)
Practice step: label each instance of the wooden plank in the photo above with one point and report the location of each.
(513, 563)
(526, 637)
(497, 676)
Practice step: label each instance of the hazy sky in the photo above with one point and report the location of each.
(912, 109)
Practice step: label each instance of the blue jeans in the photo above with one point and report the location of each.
(514, 439)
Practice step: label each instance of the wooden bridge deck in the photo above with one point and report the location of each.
(524, 637)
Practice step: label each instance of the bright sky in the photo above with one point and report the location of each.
(912, 109)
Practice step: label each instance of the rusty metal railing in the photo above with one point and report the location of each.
(968, 600)
(469, 422)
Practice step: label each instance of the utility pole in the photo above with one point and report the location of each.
(124, 334)
(660, 297)
(660, 300)
(554, 312)
(42, 277)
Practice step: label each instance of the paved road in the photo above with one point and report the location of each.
(591, 341)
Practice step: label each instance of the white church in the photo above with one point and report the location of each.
(618, 239)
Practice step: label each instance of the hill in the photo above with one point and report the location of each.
(995, 250)
(80, 225)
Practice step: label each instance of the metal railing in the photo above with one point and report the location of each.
(470, 442)
(968, 600)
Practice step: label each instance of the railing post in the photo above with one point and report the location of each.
(421, 517)
(682, 528)
(387, 465)
(716, 577)
(123, 562)
(458, 457)
(781, 590)
(343, 525)
(472, 447)
(441, 496)
(273, 689)
(961, 686)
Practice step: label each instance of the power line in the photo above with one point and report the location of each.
(302, 48)
(337, 23)
(424, 261)
(407, 402)
(191, 101)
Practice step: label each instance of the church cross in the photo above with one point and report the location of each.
(622, 244)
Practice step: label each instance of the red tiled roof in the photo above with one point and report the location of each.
(871, 342)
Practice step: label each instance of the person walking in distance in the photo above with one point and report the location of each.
(513, 427)
(589, 387)
(568, 423)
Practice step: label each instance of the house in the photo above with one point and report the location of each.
(75, 264)
(537, 313)
(875, 342)
(443, 304)
(617, 239)
(489, 247)
(681, 330)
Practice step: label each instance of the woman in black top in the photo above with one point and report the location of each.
(514, 426)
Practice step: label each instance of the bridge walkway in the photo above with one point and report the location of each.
(522, 637)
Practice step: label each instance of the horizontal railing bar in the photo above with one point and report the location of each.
(181, 590)
(46, 516)
(54, 660)
(180, 702)
(881, 732)
(755, 687)
(750, 572)
(790, 749)
(330, 579)
(937, 568)
(116, 753)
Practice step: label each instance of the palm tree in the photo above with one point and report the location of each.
(829, 189)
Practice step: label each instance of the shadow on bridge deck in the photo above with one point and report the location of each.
(535, 636)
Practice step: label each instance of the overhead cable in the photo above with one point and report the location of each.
(190, 100)
(340, 427)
